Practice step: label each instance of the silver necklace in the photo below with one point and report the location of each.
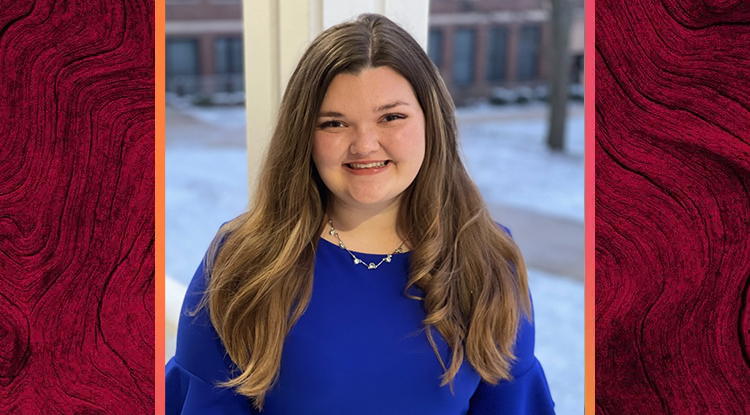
(358, 261)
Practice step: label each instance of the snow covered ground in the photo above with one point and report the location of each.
(206, 186)
(511, 164)
(559, 322)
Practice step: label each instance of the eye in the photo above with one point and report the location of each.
(331, 124)
(394, 117)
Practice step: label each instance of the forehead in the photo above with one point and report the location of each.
(372, 88)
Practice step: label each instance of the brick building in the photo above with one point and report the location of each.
(477, 45)
(482, 44)
(203, 46)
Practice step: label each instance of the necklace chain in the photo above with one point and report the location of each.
(358, 261)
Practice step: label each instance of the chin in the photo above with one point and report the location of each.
(371, 198)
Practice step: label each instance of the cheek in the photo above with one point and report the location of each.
(322, 154)
(413, 143)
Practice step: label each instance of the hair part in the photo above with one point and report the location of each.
(261, 263)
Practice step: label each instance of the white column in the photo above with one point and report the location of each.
(277, 32)
(262, 77)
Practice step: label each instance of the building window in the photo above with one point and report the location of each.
(182, 66)
(435, 46)
(529, 47)
(463, 55)
(497, 49)
(229, 73)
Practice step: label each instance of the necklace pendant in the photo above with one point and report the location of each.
(356, 260)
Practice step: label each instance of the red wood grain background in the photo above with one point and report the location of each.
(672, 207)
(76, 207)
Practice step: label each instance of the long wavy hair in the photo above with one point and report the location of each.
(261, 263)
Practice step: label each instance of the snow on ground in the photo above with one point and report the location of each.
(511, 164)
(206, 186)
(559, 323)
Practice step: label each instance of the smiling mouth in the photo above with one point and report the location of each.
(359, 166)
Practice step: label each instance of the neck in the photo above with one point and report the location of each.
(371, 229)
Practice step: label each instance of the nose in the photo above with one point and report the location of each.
(364, 141)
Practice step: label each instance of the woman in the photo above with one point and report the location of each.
(368, 276)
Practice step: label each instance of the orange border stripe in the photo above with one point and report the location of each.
(159, 71)
(590, 117)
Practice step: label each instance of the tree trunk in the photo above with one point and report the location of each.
(559, 75)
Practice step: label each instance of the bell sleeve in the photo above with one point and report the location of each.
(200, 362)
(526, 394)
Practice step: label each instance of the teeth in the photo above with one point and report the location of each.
(367, 166)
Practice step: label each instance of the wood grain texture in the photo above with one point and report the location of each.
(76, 207)
(672, 207)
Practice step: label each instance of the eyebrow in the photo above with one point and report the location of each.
(391, 105)
(379, 109)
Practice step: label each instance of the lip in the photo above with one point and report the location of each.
(367, 172)
(365, 161)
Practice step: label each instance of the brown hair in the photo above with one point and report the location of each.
(261, 278)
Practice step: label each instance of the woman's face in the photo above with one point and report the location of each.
(370, 138)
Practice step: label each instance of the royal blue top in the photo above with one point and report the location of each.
(359, 348)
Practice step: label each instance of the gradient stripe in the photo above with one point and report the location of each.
(159, 361)
(590, 280)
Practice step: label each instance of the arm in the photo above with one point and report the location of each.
(528, 392)
(199, 363)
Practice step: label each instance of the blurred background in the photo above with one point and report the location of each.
(515, 71)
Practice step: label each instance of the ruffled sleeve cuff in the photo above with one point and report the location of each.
(527, 394)
(187, 394)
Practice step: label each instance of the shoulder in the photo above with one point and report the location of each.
(525, 338)
(499, 225)
(199, 348)
(200, 362)
(524, 347)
